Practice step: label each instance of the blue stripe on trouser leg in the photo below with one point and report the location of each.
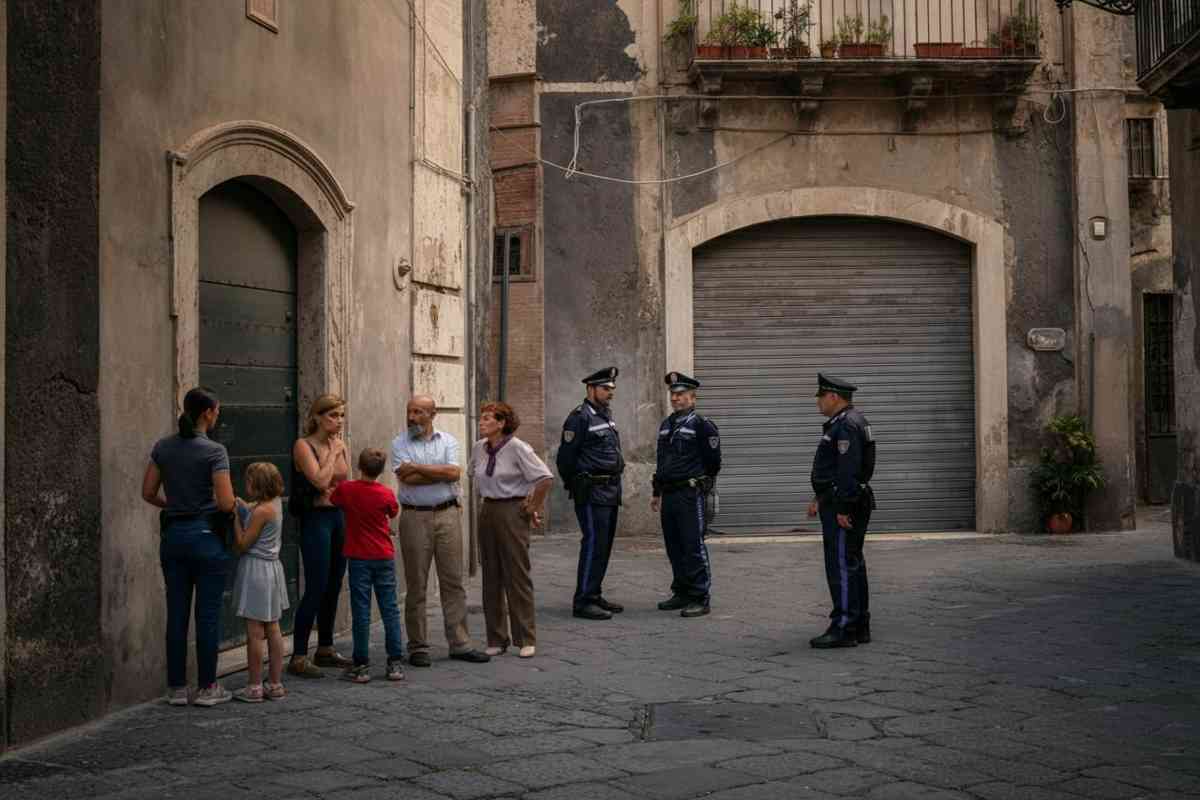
(701, 526)
(845, 570)
(844, 575)
(687, 530)
(598, 524)
(671, 540)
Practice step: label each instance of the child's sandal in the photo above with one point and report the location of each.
(251, 694)
(275, 691)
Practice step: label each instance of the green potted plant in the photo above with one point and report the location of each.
(680, 29)
(859, 41)
(795, 20)
(731, 31)
(760, 36)
(829, 47)
(1019, 33)
(1066, 473)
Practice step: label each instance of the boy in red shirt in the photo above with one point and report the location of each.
(367, 506)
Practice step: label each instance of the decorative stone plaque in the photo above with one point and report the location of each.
(1046, 339)
(264, 12)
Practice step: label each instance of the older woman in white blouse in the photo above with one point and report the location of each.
(513, 483)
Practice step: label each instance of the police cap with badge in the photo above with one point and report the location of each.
(828, 383)
(606, 377)
(678, 382)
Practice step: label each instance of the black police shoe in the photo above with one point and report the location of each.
(592, 611)
(862, 634)
(615, 608)
(673, 604)
(696, 608)
(834, 637)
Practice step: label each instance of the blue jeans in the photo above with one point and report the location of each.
(322, 534)
(193, 558)
(381, 576)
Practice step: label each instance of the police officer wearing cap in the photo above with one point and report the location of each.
(590, 463)
(841, 477)
(689, 458)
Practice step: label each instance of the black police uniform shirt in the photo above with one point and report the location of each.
(689, 446)
(590, 443)
(845, 460)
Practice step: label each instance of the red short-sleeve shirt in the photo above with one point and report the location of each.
(368, 505)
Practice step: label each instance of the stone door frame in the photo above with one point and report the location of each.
(290, 172)
(989, 243)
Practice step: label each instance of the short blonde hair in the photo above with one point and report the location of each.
(322, 405)
(263, 481)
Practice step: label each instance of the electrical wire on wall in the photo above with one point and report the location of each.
(1054, 112)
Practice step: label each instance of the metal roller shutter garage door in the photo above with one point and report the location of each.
(884, 305)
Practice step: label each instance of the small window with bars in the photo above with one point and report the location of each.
(1159, 363)
(512, 251)
(1141, 148)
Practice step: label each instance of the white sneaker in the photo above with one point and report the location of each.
(177, 697)
(528, 651)
(495, 651)
(212, 696)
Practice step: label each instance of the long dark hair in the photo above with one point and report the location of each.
(195, 403)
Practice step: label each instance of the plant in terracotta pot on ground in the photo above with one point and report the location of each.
(1067, 472)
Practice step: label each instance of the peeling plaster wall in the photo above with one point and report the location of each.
(53, 577)
(1184, 130)
(337, 76)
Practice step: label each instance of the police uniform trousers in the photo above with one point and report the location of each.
(845, 568)
(598, 525)
(683, 527)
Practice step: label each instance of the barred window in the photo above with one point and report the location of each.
(511, 250)
(1141, 145)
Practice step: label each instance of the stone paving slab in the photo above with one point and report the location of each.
(1002, 667)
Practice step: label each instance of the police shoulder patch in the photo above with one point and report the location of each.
(843, 446)
(568, 436)
(713, 441)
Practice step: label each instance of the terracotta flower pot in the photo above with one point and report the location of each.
(981, 52)
(710, 51)
(1060, 523)
(739, 52)
(861, 51)
(939, 49)
(828, 51)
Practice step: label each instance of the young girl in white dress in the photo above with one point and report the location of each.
(260, 588)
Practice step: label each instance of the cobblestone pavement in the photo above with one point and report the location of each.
(1003, 667)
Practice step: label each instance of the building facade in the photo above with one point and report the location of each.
(276, 199)
(932, 201)
(1168, 44)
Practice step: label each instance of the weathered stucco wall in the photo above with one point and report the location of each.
(337, 76)
(1184, 131)
(53, 581)
(3, 340)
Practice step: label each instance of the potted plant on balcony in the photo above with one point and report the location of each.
(733, 32)
(795, 19)
(760, 36)
(1067, 472)
(1019, 33)
(854, 44)
(680, 29)
(829, 47)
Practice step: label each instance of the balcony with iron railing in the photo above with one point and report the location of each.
(1168, 47)
(771, 38)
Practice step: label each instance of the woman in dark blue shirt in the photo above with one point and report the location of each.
(188, 477)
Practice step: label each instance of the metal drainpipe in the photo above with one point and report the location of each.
(469, 154)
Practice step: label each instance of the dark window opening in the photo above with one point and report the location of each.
(511, 251)
(1141, 139)
(1160, 366)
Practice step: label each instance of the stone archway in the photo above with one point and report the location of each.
(288, 171)
(989, 243)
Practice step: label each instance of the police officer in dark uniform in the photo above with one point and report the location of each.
(841, 477)
(689, 458)
(590, 463)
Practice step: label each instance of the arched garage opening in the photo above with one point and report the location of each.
(883, 304)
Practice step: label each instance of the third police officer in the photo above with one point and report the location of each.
(841, 477)
(689, 458)
(590, 464)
